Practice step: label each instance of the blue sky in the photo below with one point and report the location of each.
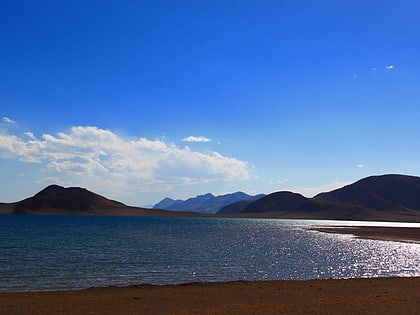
(139, 100)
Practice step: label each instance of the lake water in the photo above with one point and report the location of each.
(73, 252)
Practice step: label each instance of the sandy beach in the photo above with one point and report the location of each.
(352, 296)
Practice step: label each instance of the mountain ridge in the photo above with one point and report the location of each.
(206, 204)
(389, 197)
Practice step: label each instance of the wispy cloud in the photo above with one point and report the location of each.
(29, 135)
(312, 191)
(389, 67)
(361, 165)
(53, 180)
(8, 120)
(94, 154)
(196, 139)
(279, 181)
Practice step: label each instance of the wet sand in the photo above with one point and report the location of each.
(398, 234)
(352, 296)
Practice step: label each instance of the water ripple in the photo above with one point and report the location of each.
(54, 252)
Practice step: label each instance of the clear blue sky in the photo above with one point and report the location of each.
(139, 100)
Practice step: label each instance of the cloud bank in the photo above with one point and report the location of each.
(98, 155)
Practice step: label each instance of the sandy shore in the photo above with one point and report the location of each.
(400, 234)
(352, 296)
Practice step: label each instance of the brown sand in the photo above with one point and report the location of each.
(399, 234)
(352, 296)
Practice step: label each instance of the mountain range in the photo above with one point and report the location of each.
(207, 203)
(385, 197)
(382, 198)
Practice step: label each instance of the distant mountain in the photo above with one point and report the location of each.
(55, 199)
(166, 203)
(207, 203)
(386, 197)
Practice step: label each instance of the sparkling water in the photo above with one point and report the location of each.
(73, 252)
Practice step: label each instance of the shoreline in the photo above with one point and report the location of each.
(383, 233)
(331, 296)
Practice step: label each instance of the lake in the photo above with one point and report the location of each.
(74, 252)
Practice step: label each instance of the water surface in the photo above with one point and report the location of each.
(73, 252)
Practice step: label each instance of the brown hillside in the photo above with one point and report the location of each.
(74, 200)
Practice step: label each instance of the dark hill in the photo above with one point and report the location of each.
(383, 193)
(235, 207)
(74, 200)
(66, 200)
(384, 198)
(280, 201)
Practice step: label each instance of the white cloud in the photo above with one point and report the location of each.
(361, 165)
(93, 155)
(389, 67)
(196, 139)
(29, 135)
(8, 120)
(14, 147)
(54, 180)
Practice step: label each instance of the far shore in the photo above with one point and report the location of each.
(345, 296)
(397, 234)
